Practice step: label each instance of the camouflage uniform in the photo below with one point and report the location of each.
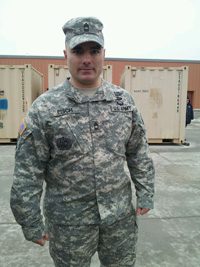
(79, 146)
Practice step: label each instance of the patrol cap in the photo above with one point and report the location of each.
(83, 29)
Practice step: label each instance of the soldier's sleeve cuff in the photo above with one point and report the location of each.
(145, 203)
(33, 233)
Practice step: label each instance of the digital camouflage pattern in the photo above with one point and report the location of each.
(83, 29)
(79, 146)
(115, 244)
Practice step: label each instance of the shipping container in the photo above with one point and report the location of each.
(58, 73)
(20, 85)
(160, 96)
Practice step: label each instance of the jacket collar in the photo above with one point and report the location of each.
(104, 93)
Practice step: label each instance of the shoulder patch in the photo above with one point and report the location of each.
(22, 127)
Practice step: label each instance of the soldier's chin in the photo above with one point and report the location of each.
(88, 80)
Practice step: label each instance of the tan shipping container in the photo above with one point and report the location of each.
(58, 73)
(20, 85)
(160, 95)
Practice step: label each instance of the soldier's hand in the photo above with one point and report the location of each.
(43, 240)
(142, 211)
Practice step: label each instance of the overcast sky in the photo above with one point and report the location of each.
(154, 29)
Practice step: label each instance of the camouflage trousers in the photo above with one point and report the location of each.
(73, 246)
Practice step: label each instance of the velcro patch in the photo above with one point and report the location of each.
(121, 108)
(64, 143)
(65, 111)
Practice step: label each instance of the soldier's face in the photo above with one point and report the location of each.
(85, 63)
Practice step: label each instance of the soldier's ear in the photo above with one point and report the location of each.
(65, 53)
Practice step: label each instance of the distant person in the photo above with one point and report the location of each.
(189, 112)
(79, 137)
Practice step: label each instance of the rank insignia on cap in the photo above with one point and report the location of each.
(86, 27)
(22, 127)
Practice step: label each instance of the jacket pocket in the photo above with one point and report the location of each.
(67, 139)
(118, 130)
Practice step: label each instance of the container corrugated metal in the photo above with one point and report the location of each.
(160, 96)
(58, 73)
(20, 85)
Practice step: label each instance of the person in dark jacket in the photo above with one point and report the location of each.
(189, 112)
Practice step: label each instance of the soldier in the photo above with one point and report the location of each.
(79, 137)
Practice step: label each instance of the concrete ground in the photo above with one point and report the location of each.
(169, 236)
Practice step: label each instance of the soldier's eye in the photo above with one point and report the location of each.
(77, 50)
(95, 50)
